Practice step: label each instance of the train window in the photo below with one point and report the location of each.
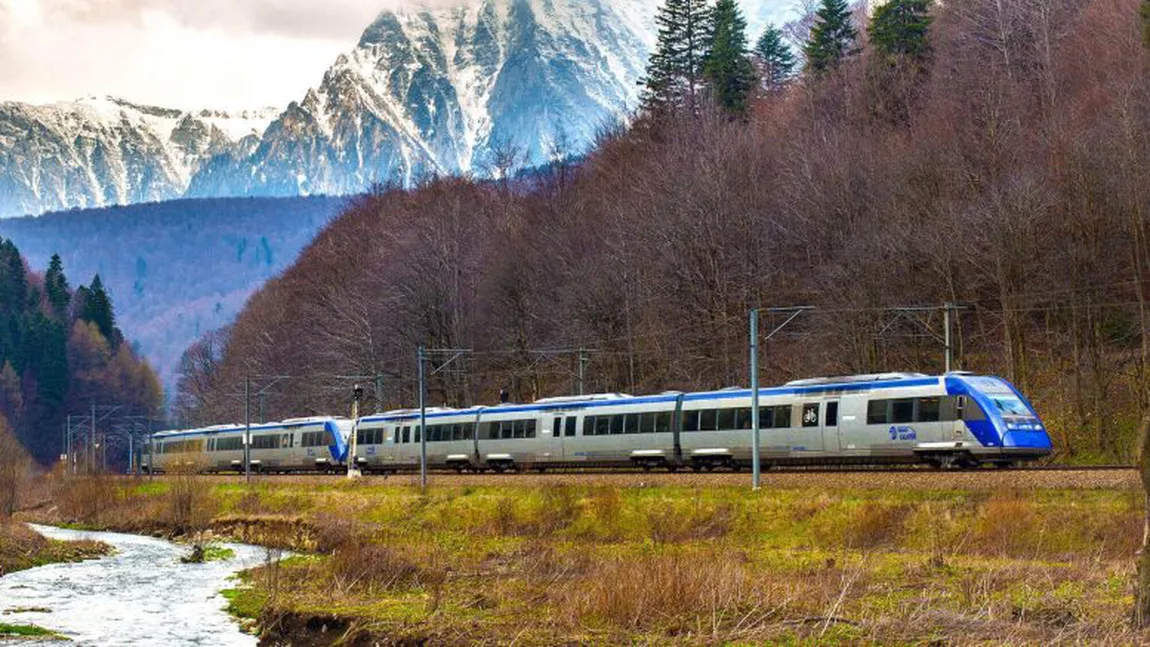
(832, 417)
(973, 411)
(743, 418)
(707, 420)
(782, 416)
(902, 411)
(928, 410)
(407, 434)
(727, 419)
(631, 423)
(767, 417)
(616, 424)
(588, 425)
(647, 423)
(556, 426)
(569, 427)
(602, 425)
(531, 424)
(690, 421)
(877, 412)
(663, 422)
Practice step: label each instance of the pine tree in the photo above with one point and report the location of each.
(728, 67)
(1146, 23)
(98, 310)
(56, 287)
(898, 29)
(674, 78)
(777, 59)
(832, 37)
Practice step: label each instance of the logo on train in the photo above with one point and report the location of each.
(903, 433)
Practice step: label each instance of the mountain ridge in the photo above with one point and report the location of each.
(425, 91)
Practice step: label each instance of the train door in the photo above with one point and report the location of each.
(832, 436)
(812, 433)
(554, 428)
(564, 427)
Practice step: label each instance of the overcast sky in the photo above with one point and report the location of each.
(178, 53)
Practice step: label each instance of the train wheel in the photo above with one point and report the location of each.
(672, 468)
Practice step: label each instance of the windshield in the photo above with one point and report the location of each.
(1010, 405)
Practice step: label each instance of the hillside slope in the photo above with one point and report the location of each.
(178, 269)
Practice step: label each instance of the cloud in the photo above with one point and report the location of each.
(318, 19)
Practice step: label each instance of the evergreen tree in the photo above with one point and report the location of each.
(898, 29)
(56, 286)
(832, 37)
(1146, 23)
(777, 59)
(98, 310)
(674, 78)
(728, 68)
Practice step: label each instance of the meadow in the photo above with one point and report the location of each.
(870, 558)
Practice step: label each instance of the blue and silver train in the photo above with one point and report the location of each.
(295, 445)
(954, 420)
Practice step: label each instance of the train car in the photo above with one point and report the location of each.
(294, 445)
(957, 419)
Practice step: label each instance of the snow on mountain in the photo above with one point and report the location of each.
(426, 90)
(101, 151)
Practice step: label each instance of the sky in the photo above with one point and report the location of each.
(220, 54)
(185, 54)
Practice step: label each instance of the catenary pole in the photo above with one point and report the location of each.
(756, 475)
(422, 419)
(247, 430)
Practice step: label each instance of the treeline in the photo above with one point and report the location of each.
(60, 352)
(179, 268)
(988, 153)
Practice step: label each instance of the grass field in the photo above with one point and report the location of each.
(605, 560)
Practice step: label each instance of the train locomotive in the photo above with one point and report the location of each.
(954, 420)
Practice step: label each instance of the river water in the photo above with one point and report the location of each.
(141, 595)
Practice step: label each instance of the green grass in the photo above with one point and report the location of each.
(28, 631)
(214, 553)
(681, 563)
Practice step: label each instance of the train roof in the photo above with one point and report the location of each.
(263, 426)
(810, 386)
(797, 387)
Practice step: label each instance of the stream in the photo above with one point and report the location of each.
(141, 595)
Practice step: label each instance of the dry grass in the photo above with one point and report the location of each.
(21, 547)
(566, 563)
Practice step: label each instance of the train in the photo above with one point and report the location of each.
(958, 420)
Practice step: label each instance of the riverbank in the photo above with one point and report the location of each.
(22, 547)
(143, 593)
(804, 562)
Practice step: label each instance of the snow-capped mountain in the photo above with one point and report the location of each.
(102, 151)
(426, 90)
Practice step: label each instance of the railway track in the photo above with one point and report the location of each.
(984, 480)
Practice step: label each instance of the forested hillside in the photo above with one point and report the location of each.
(61, 352)
(989, 153)
(176, 269)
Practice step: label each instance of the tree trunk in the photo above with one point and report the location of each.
(1141, 614)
